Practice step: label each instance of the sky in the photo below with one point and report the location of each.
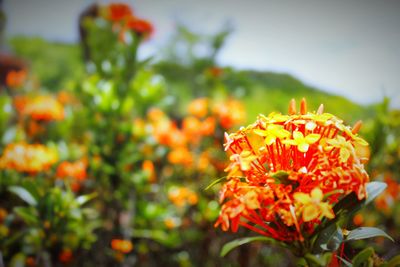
(346, 47)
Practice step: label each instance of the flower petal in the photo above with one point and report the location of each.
(317, 194)
(302, 198)
(312, 138)
(303, 147)
(310, 212)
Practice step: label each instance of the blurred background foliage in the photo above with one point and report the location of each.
(106, 155)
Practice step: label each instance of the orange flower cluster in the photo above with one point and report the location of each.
(16, 78)
(287, 171)
(76, 171)
(390, 196)
(27, 158)
(117, 12)
(122, 14)
(41, 108)
(120, 245)
(180, 196)
(229, 113)
(202, 122)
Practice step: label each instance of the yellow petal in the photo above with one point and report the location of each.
(251, 200)
(310, 212)
(290, 142)
(260, 132)
(344, 154)
(303, 147)
(270, 139)
(298, 135)
(361, 141)
(301, 197)
(327, 211)
(316, 194)
(312, 138)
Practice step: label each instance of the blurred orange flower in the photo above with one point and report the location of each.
(171, 223)
(181, 196)
(28, 158)
(120, 245)
(42, 107)
(198, 107)
(75, 169)
(230, 113)
(180, 155)
(140, 26)
(148, 167)
(16, 78)
(117, 12)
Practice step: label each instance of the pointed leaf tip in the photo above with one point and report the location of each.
(366, 232)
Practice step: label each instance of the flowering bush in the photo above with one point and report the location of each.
(113, 169)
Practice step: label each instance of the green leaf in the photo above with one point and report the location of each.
(85, 198)
(28, 214)
(345, 262)
(329, 239)
(319, 260)
(219, 180)
(241, 241)
(395, 261)
(23, 194)
(171, 239)
(363, 257)
(374, 189)
(366, 232)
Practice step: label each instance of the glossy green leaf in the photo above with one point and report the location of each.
(329, 239)
(366, 232)
(23, 194)
(241, 241)
(374, 189)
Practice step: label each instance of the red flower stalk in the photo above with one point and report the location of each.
(287, 171)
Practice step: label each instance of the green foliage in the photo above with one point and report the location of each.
(57, 67)
(239, 242)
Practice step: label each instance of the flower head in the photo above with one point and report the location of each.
(117, 12)
(121, 245)
(41, 108)
(15, 78)
(27, 158)
(287, 171)
(139, 26)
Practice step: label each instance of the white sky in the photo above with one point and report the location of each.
(348, 47)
